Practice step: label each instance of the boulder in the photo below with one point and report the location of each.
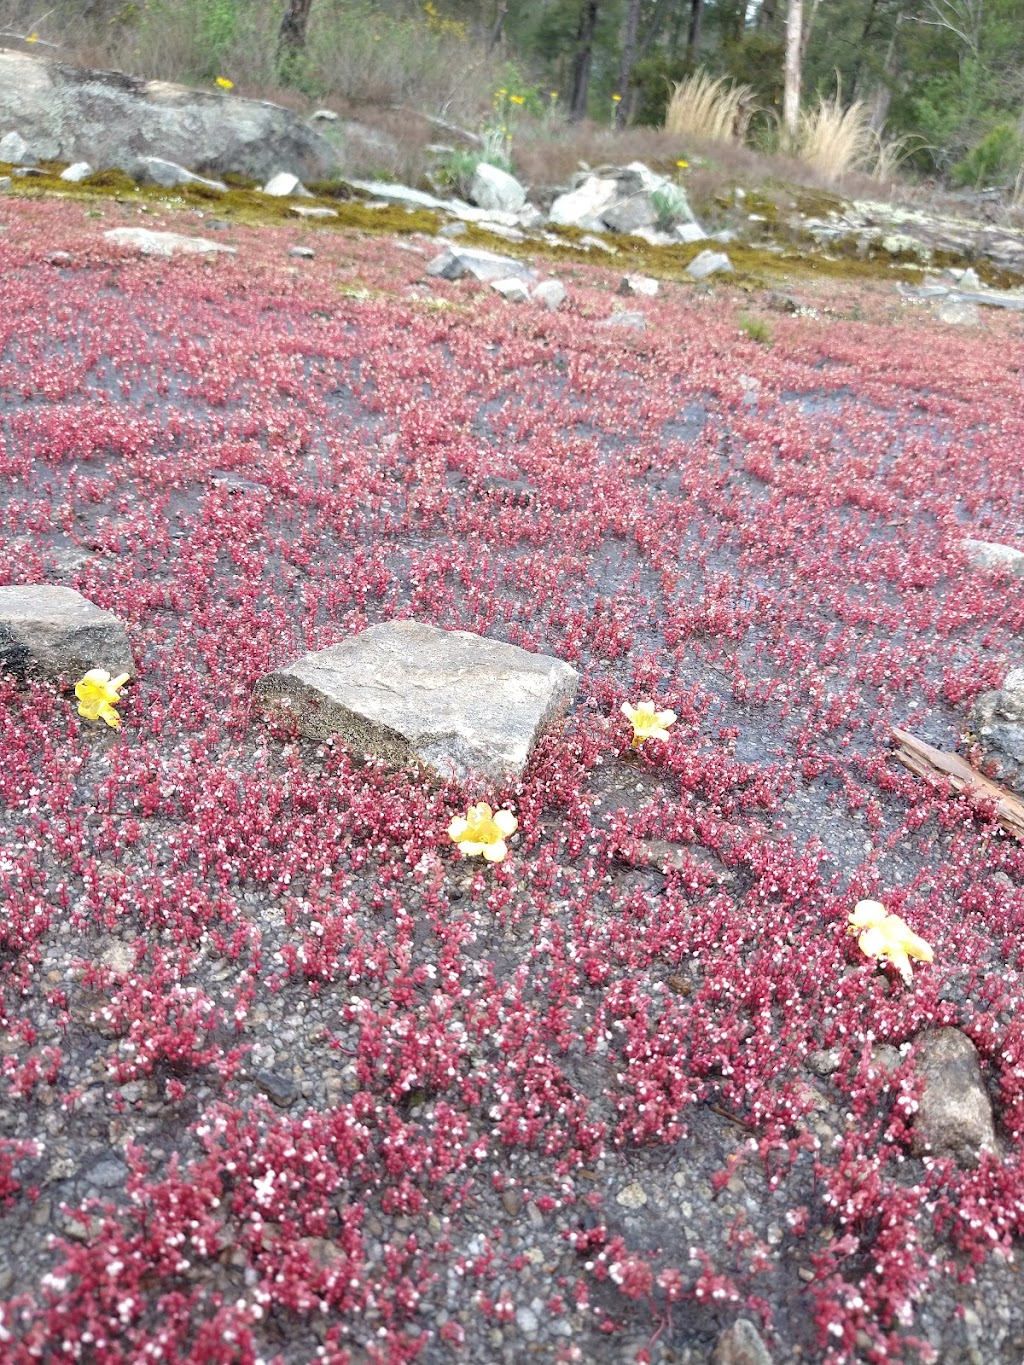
(583, 206)
(150, 243)
(153, 170)
(53, 632)
(641, 286)
(450, 702)
(67, 113)
(954, 1117)
(15, 151)
(989, 554)
(493, 188)
(629, 213)
(456, 261)
(707, 263)
(629, 199)
(997, 720)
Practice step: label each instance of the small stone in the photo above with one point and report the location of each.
(59, 258)
(324, 115)
(76, 172)
(304, 253)
(6, 183)
(638, 285)
(280, 1090)
(958, 313)
(456, 229)
(107, 1175)
(485, 266)
(512, 1202)
(551, 293)
(635, 322)
(527, 1321)
(689, 233)
(632, 1196)
(824, 1063)
(740, 1344)
(285, 186)
(316, 212)
(512, 290)
(954, 1117)
(708, 263)
(153, 170)
(54, 632)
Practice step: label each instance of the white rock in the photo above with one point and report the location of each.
(958, 313)
(493, 188)
(76, 172)
(689, 233)
(316, 212)
(151, 243)
(707, 263)
(641, 286)
(450, 702)
(989, 554)
(582, 206)
(551, 293)
(511, 288)
(324, 115)
(284, 185)
(456, 261)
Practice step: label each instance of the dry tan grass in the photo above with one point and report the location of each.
(835, 140)
(714, 109)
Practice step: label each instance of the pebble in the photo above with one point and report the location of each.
(632, 1196)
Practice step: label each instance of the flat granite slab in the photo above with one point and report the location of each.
(49, 631)
(454, 703)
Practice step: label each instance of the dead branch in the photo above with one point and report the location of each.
(934, 765)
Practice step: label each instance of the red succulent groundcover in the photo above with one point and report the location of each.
(285, 1078)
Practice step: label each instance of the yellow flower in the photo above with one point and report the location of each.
(483, 831)
(683, 165)
(647, 723)
(554, 94)
(881, 935)
(616, 98)
(224, 83)
(32, 38)
(96, 694)
(517, 99)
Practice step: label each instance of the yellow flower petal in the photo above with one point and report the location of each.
(506, 821)
(494, 853)
(458, 828)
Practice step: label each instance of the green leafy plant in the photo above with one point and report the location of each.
(995, 158)
(756, 329)
(671, 205)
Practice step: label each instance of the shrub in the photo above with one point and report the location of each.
(995, 158)
(834, 140)
(713, 109)
(756, 329)
(671, 206)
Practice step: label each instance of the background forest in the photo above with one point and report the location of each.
(941, 80)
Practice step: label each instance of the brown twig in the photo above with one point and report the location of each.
(935, 765)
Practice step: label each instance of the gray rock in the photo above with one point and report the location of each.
(6, 183)
(997, 719)
(635, 322)
(153, 170)
(708, 263)
(551, 293)
(632, 1196)
(69, 113)
(454, 703)
(284, 185)
(304, 253)
(629, 213)
(583, 206)
(324, 116)
(54, 632)
(108, 1175)
(992, 298)
(76, 172)
(512, 289)
(493, 188)
(456, 261)
(456, 229)
(740, 1344)
(989, 554)
(24, 172)
(150, 243)
(316, 212)
(957, 313)
(280, 1090)
(400, 194)
(955, 1113)
(641, 286)
(14, 150)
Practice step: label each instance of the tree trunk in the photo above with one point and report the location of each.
(693, 34)
(766, 14)
(582, 60)
(626, 65)
(791, 94)
(494, 37)
(291, 36)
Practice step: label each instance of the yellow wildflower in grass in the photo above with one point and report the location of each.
(683, 165)
(97, 692)
(616, 99)
(647, 723)
(881, 935)
(517, 99)
(224, 83)
(32, 38)
(483, 831)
